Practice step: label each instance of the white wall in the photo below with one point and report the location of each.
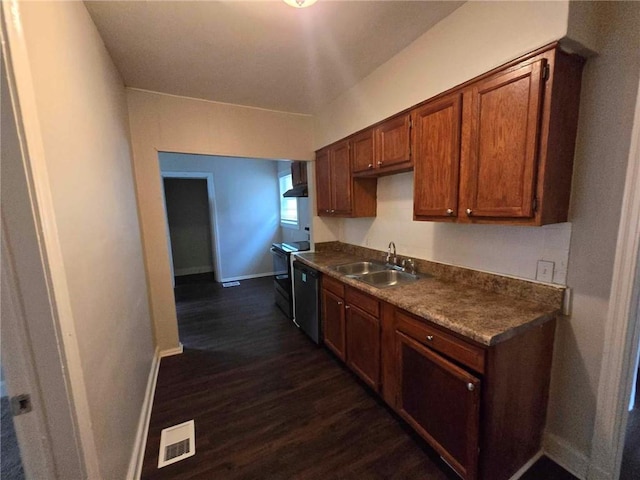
(473, 39)
(247, 209)
(189, 220)
(81, 111)
(176, 124)
(609, 86)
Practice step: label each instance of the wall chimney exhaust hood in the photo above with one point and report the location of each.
(297, 191)
(299, 180)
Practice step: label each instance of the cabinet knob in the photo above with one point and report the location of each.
(347, 307)
(449, 211)
(471, 387)
(430, 338)
(332, 211)
(370, 165)
(380, 163)
(469, 211)
(339, 303)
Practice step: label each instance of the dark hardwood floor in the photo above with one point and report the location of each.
(269, 404)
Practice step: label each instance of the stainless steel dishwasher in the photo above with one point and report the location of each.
(306, 283)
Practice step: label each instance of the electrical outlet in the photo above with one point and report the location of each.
(544, 273)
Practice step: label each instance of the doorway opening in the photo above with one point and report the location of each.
(191, 233)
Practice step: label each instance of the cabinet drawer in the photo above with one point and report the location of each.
(467, 354)
(333, 285)
(363, 301)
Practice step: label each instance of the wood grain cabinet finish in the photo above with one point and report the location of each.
(516, 138)
(363, 345)
(436, 143)
(483, 408)
(351, 328)
(333, 322)
(501, 135)
(393, 144)
(362, 152)
(338, 192)
(441, 401)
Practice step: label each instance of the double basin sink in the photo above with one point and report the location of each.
(379, 275)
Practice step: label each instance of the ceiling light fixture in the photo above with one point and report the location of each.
(300, 3)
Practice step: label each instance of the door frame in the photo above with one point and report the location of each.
(622, 328)
(40, 347)
(215, 246)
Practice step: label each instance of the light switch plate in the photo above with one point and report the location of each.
(544, 273)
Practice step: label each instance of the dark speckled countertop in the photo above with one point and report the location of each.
(483, 316)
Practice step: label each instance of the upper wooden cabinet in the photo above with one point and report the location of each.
(362, 152)
(500, 145)
(393, 145)
(337, 192)
(384, 149)
(436, 143)
(509, 137)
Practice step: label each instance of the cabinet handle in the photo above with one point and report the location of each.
(469, 212)
(370, 165)
(471, 387)
(449, 211)
(380, 163)
(347, 307)
(430, 338)
(339, 303)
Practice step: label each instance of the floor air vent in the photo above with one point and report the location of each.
(177, 443)
(231, 284)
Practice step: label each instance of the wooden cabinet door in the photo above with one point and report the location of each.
(341, 179)
(393, 146)
(323, 183)
(362, 152)
(333, 322)
(500, 143)
(363, 345)
(441, 401)
(436, 157)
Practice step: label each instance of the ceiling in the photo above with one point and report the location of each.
(258, 53)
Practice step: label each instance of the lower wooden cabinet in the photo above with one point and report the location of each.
(441, 401)
(363, 345)
(482, 408)
(352, 329)
(333, 322)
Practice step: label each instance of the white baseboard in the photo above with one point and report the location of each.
(247, 277)
(179, 272)
(566, 455)
(137, 456)
(172, 351)
(526, 466)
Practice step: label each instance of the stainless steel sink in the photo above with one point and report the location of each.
(388, 278)
(356, 269)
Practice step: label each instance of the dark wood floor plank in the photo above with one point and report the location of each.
(270, 404)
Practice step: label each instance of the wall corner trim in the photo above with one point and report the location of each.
(566, 455)
(172, 351)
(137, 455)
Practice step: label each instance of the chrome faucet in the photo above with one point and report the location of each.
(395, 256)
